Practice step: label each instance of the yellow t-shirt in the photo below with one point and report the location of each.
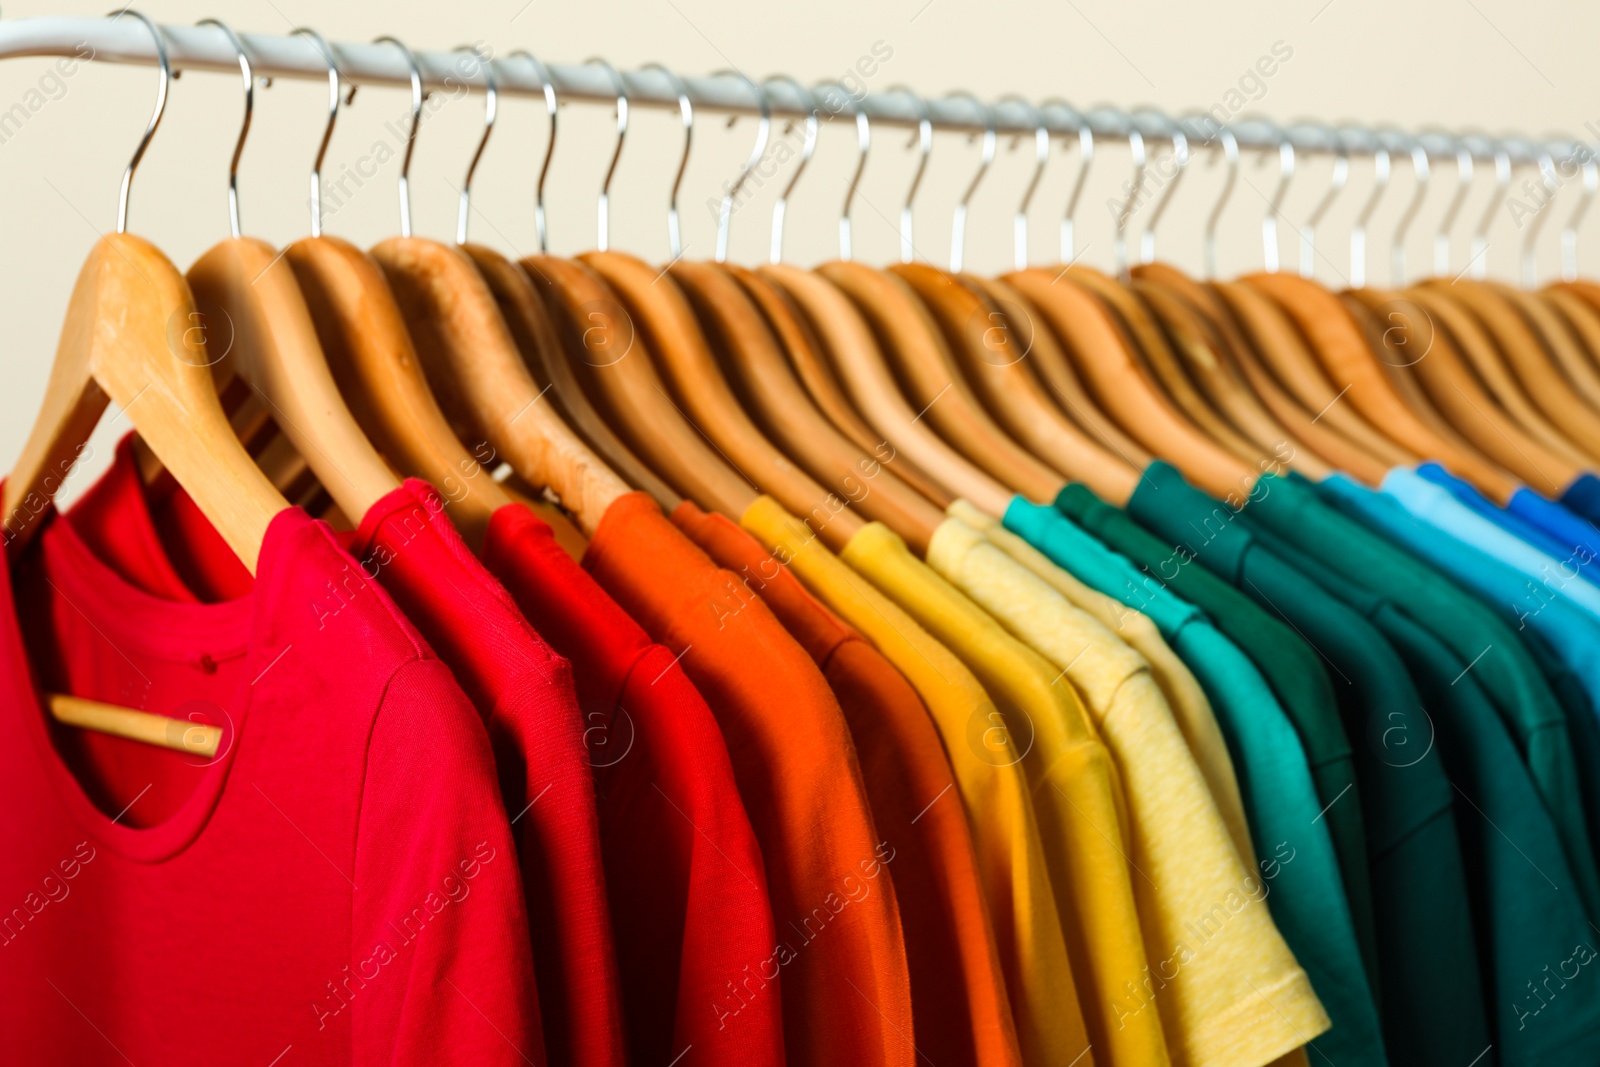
(1188, 701)
(1016, 880)
(1226, 986)
(1076, 795)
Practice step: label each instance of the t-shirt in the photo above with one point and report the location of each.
(1428, 984)
(1502, 666)
(1214, 1002)
(1291, 667)
(1511, 849)
(524, 692)
(684, 876)
(1185, 696)
(1295, 857)
(336, 886)
(1546, 525)
(1582, 497)
(914, 805)
(1028, 938)
(840, 954)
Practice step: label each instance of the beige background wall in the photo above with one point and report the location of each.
(1496, 65)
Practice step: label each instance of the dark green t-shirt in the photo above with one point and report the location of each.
(1430, 990)
(1491, 650)
(1528, 920)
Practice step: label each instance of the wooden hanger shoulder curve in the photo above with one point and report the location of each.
(1559, 342)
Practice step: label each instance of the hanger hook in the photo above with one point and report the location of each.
(335, 86)
(1041, 156)
(1180, 157)
(244, 127)
(1358, 230)
(780, 209)
(604, 208)
(491, 110)
(411, 134)
(686, 112)
(863, 142)
(1336, 184)
(550, 104)
(1269, 221)
(923, 139)
(1569, 232)
(1230, 153)
(1441, 237)
(1134, 187)
(155, 117)
(1397, 244)
(1479, 264)
(1085, 158)
(958, 222)
(1552, 184)
(731, 192)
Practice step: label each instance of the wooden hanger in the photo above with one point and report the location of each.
(922, 361)
(1104, 357)
(865, 372)
(1580, 315)
(748, 345)
(1559, 341)
(605, 349)
(1335, 337)
(666, 321)
(1298, 421)
(1165, 369)
(120, 343)
(1528, 359)
(1212, 368)
(808, 363)
(991, 343)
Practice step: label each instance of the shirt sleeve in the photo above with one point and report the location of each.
(440, 970)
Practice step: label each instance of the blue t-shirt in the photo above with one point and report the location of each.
(1544, 524)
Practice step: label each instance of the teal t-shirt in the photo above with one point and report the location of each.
(1516, 867)
(1288, 827)
(1429, 988)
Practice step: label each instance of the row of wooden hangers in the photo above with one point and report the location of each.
(846, 392)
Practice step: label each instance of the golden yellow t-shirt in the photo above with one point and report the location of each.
(1076, 795)
(1190, 706)
(1228, 990)
(1016, 880)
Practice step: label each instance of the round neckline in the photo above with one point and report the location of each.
(122, 611)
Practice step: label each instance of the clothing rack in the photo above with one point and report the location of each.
(119, 40)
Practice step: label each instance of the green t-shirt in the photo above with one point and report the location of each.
(1430, 989)
(1291, 667)
(1490, 649)
(1299, 869)
(1527, 924)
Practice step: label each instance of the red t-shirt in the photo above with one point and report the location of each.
(522, 688)
(840, 952)
(336, 886)
(684, 873)
(957, 987)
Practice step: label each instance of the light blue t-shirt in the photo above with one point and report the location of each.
(1542, 523)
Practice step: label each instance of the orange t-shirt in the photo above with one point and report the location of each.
(957, 987)
(840, 958)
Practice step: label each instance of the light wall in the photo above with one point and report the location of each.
(1492, 65)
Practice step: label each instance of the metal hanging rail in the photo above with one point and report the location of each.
(119, 40)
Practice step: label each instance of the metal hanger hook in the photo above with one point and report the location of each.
(1397, 244)
(155, 118)
(335, 88)
(1337, 180)
(1358, 229)
(863, 143)
(1180, 157)
(1230, 153)
(491, 110)
(731, 192)
(1069, 251)
(780, 210)
(1041, 157)
(550, 104)
(686, 112)
(411, 134)
(244, 126)
(923, 139)
(1441, 236)
(1269, 221)
(1479, 263)
(1569, 232)
(958, 222)
(603, 211)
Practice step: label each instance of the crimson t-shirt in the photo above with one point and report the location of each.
(336, 886)
(522, 688)
(688, 890)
